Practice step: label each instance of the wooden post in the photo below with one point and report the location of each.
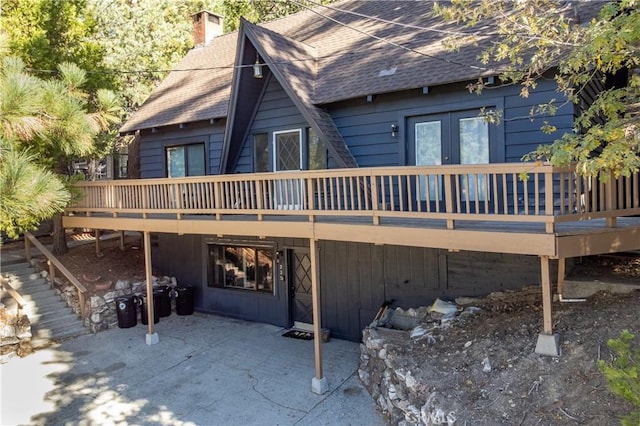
(98, 242)
(374, 199)
(27, 248)
(548, 202)
(448, 199)
(548, 343)
(546, 294)
(319, 382)
(562, 273)
(611, 200)
(152, 338)
(52, 273)
(121, 240)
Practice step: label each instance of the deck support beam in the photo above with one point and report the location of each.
(319, 383)
(152, 337)
(548, 342)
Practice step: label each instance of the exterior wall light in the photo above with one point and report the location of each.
(394, 130)
(257, 68)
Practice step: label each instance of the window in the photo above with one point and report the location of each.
(186, 160)
(241, 267)
(261, 147)
(288, 151)
(317, 152)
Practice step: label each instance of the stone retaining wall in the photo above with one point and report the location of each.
(390, 372)
(101, 310)
(15, 335)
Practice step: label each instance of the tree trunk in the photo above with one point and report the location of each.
(59, 236)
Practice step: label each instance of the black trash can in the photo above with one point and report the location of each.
(143, 310)
(163, 294)
(184, 300)
(126, 310)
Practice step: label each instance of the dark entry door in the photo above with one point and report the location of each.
(302, 305)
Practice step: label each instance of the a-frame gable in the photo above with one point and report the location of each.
(293, 65)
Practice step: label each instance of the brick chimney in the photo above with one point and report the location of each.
(206, 26)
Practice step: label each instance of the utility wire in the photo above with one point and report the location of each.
(392, 43)
(400, 24)
(340, 53)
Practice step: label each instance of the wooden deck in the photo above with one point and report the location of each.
(520, 208)
(491, 208)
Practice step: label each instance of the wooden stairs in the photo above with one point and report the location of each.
(50, 316)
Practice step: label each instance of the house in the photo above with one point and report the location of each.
(306, 170)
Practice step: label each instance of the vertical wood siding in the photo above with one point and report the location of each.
(355, 279)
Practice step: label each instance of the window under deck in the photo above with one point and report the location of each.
(523, 208)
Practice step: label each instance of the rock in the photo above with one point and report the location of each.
(44, 274)
(486, 365)
(417, 332)
(7, 331)
(109, 297)
(12, 340)
(97, 302)
(411, 382)
(123, 285)
(393, 395)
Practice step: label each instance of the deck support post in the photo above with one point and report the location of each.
(319, 383)
(152, 338)
(548, 342)
(121, 240)
(562, 274)
(98, 254)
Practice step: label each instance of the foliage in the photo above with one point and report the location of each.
(623, 373)
(42, 123)
(57, 39)
(45, 33)
(256, 11)
(143, 40)
(536, 37)
(30, 193)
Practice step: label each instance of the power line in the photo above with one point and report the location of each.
(392, 43)
(400, 24)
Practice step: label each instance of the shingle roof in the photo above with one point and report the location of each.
(294, 64)
(349, 63)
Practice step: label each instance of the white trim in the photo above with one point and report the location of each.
(273, 146)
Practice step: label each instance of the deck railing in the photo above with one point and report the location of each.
(513, 192)
(53, 265)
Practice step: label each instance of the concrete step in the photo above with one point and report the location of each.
(13, 265)
(51, 318)
(60, 323)
(24, 275)
(39, 318)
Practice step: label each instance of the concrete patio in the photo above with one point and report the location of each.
(206, 370)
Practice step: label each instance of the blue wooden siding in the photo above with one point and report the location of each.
(153, 147)
(366, 127)
(276, 111)
(355, 279)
